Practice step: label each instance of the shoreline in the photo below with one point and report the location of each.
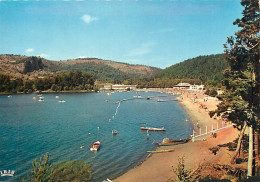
(42, 92)
(159, 167)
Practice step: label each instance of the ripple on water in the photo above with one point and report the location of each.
(61, 129)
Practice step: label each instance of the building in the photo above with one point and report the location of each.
(119, 87)
(220, 91)
(182, 86)
(187, 86)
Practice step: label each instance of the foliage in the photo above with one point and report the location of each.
(101, 72)
(74, 171)
(181, 172)
(211, 92)
(204, 68)
(40, 168)
(240, 102)
(210, 179)
(73, 80)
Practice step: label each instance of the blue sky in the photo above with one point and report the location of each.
(157, 33)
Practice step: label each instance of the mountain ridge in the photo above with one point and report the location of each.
(104, 70)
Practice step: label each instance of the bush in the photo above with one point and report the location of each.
(75, 171)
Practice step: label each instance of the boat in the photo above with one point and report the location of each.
(114, 132)
(41, 100)
(152, 129)
(161, 151)
(159, 100)
(61, 101)
(41, 97)
(107, 180)
(95, 146)
(9, 96)
(57, 97)
(34, 97)
(82, 147)
(168, 141)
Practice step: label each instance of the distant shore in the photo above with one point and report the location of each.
(50, 91)
(159, 167)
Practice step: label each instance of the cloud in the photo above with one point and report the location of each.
(88, 19)
(142, 49)
(44, 55)
(29, 50)
(82, 57)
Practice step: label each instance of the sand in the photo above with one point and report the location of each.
(160, 167)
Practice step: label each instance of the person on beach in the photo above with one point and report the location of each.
(198, 125)
(214, 134)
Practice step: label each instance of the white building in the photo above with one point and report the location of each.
(119, 87)
(187, 86)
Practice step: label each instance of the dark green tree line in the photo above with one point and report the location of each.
(240, 103)
(73, 80)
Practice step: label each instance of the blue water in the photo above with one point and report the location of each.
(29, 129)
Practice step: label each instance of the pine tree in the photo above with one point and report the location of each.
(240, 103)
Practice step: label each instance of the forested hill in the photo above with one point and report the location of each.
(204, 68)
(104, 70)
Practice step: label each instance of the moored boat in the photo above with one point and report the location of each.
(160, 100)
(152, 129)
(161, 151)
(95, 146)
(168, 142)
(114, 132)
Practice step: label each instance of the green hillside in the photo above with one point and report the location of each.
(204, 68)
(103, 70)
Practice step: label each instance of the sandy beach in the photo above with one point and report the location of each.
(160, 167)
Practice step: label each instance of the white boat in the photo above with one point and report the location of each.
(41, 97)
(114, 132)
(9, 96)
(40, 100)
(57, 97)
(107, 180)
(159, 100)
(61, 101)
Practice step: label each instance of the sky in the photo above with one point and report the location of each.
(157, 33)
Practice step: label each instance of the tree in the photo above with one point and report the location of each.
(40, 168)
(240, 102)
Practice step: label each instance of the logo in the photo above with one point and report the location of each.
(7, 173)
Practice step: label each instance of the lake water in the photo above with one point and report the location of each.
(29, 129)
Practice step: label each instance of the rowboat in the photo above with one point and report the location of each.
(168, 142)
(152, 129)
(160, 151)
(95, 146)
(159, 100)
(114, 132)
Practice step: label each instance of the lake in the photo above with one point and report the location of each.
(30, 128)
